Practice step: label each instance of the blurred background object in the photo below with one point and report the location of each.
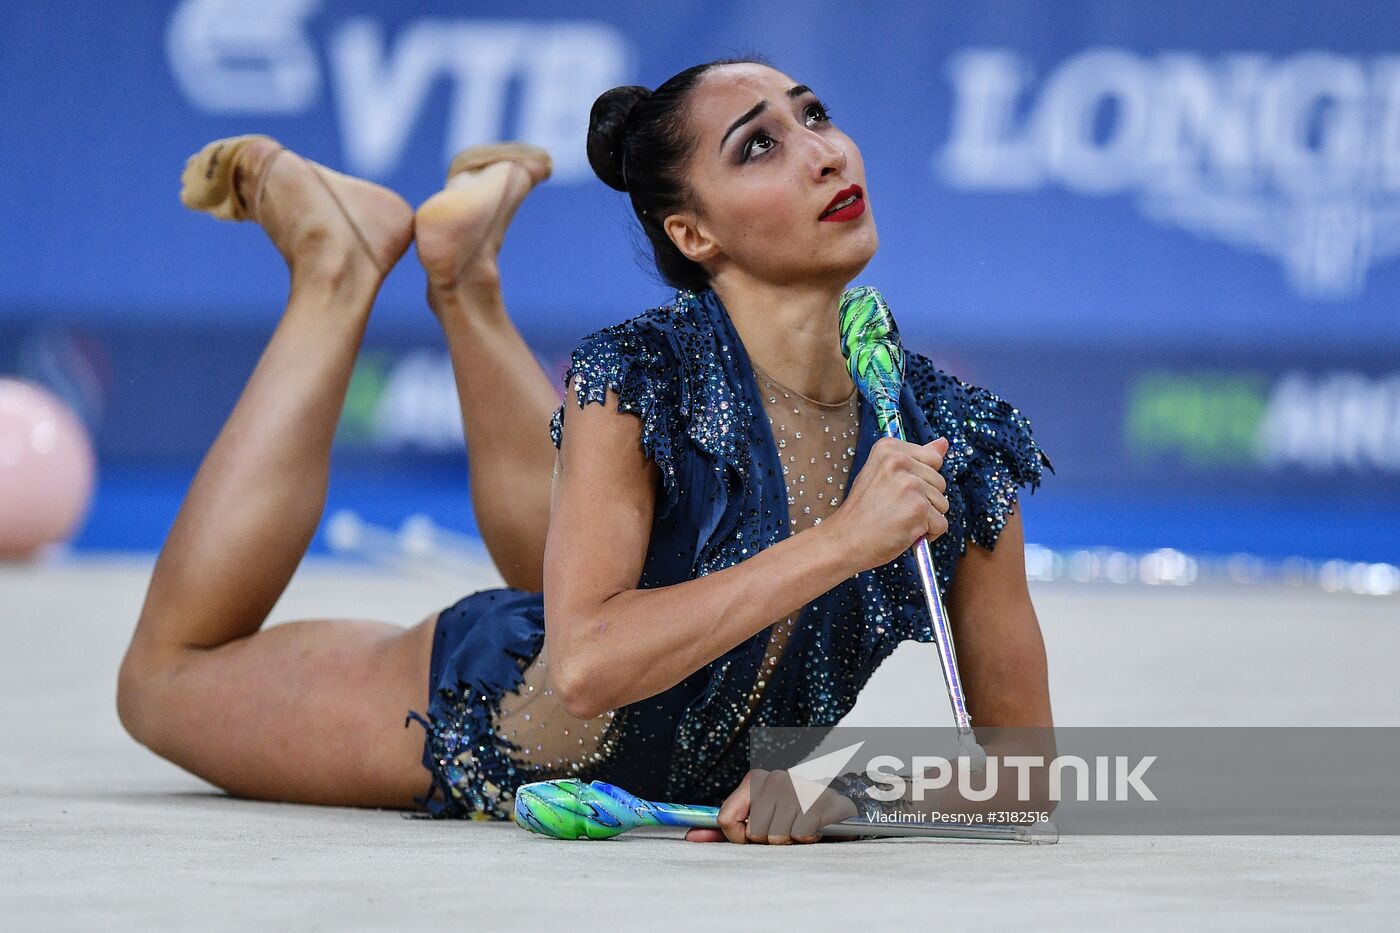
(1169, 234)
(46, 470)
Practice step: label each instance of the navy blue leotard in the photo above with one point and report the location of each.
(683, 371)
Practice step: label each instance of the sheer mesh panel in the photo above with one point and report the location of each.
(816, 444)
(548, 736)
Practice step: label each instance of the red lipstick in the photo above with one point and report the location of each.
(851, 210)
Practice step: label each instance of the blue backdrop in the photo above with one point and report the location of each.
(1168, 233)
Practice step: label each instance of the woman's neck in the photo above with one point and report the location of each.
(792, 333)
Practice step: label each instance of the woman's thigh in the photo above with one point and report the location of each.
(311, 711)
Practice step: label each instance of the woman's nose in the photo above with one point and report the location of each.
(827, 157)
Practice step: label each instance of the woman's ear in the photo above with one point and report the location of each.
(690, 237)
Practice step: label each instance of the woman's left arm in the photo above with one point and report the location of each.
(1001, 654)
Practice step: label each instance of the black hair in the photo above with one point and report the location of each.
(639, 142)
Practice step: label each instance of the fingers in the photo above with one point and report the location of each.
(829, 807)
(704, 835)
(937, 526)
(785, 814)
(776, 816)
(923, 460)
(925, 463)
(930, 480)
(734, 812)
(933, 453)
(936, 491)
(929, 483)
(762, 804)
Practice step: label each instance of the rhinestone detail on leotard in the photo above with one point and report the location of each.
(815, 443)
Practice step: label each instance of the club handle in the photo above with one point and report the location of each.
(933, 600)
(681, 814)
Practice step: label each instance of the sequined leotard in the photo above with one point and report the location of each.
(744, 462)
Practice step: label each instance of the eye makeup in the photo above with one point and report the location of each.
(823, 115)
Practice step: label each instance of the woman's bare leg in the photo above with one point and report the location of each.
(506, 397)
(310, 711)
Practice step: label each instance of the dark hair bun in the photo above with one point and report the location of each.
(607, 132)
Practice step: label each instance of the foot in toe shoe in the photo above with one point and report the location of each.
(309, 211)
(460, 229)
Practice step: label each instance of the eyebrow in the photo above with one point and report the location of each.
(756, 109)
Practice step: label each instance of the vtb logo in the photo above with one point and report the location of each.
(533, 80)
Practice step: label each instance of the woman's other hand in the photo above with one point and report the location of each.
(898, 497)
(764, 808)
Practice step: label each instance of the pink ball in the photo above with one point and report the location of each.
(46, 469)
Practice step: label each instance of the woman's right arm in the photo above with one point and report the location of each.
(611, 643)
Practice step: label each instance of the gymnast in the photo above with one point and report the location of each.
(705, 535)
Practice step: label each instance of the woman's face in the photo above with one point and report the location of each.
(767, 164)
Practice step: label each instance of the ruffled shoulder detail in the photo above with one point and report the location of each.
(992, 449)
(637, 360)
